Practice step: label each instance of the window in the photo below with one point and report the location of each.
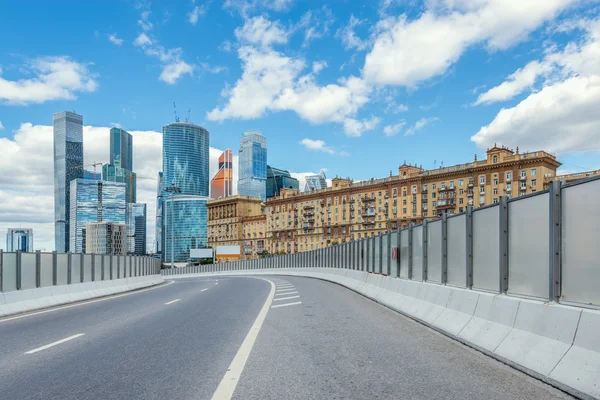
(433, 195)
(434, 213)
(424, 188)
(404, 192)
(461, 182)
(524, 173)
(379, 225)
(533, 182)
(424, 213)
(433, 204)
(508, 176)
(460, 209)
(404, 202)
(523, 185)
(533, 172)
(379, 201)
(461, 191)
(414, 189)
(461, 201)
(452, 185)
(495, 181)
(495, 191)
(508, 188)
(443, 185)
(482, 180)
(433, 186)
(482, 189)
(404, 211)
(395, 191)
(495, 159)
(495, 200)
(481, 199)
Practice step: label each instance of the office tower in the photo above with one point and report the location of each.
(106, 238)
(222, 184)
(136, 228)
(20, 239)
(253, 165)
(120, 168)
(68, 165)
(159, 213)
(278, 179)
(185, 167)
(97, 176)
(315, 182)
(94, 201)
(121, 149)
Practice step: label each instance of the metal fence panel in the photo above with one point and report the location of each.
(46, 269)
(377, 252)
(369, 254)
(417, 253)
(580, 243)
(486, 249)
(394, 253)
(28, 271)
(457, 255)
(404, 254)
(97, 267)
(75, 268)
(9, 272)
(434, 251)
(87, 267)
(62, 268)
(529, 246)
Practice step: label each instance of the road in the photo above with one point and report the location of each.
(315, 340)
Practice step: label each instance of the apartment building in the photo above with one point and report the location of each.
(229, 217)
(350, 210)
(254, 236)
(568, 178)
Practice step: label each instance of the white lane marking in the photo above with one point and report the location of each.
(84, 303)
(284, 284)
(284, 287)
(286, 304)
(286, 293)
(285, 298)
(232, 376)
(171, 302)
(204, 290)
(54, 344)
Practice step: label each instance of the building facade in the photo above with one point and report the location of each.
(106, 238)
(68, 165)
(568, 178)
(121, 149)
(136, 228)
(350, 210)
(19, 239)
(221, 185)
(227, 219)
(113, 173)
(159, 216)
(254, 235)
(278, 179)
(315, 182)
(253, 165)
(94, 201)
(186, 167)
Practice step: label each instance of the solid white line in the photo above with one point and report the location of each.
(84, 303)
(172, 301)
(232, 376)
(287, 304)
(204, 290)
(286, 298)
(279, 294)
(54, 344)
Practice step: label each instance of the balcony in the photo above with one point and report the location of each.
(369, 212)
(523, 188)
(446, 204)
(424, 198)
(508, 180)
(470, 184)
(470, 194)
(424, 207)
(368, 199)
(424, 190)
(522, 178)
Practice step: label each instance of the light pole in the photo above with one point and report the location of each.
(172, 189)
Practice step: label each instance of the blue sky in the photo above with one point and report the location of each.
(354, 87)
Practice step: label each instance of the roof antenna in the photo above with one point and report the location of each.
(175, 112)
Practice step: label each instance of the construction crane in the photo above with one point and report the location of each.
(89, 165)
(175, 112)
(187, 120)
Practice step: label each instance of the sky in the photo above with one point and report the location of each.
(352, 87)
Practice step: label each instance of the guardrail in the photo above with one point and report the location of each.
(541, 246)
(23, 271)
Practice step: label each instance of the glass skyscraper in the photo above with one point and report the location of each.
(20, 239)
(315, 182)
(222, 183)
(136, 228)
(159, 215)
(278, 179)
(68, 165)
(121, 149)
(186, 165)
(112, 173)
(94, 201)
(253, 165)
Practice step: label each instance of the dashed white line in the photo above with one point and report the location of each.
(287, 304)
(204, 290)
(285, 285)
(286, 293)
(54, 344)
(286, 298)
(172, 301)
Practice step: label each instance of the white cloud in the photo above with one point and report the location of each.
(391, 130)
(1, 126)
(26, 175)
(349, 38)
(173, 67)
(226, 46)
(55, 78)
(261, 31)
(419, 125)
(175, 70)
(247, 6)
(114, 39)
(144, 23)
(354, 127)
(315, 24)
(427, 46)
(317, 145)
(142, 40)
(318, 66)
(196, 12)
(563, 115)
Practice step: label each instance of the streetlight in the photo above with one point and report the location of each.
(173, 190)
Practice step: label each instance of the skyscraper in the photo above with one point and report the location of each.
(253, 165)
(20, 239)
(186, 166)
(68, 154)
(94, 201)
(136, 228)
(222, 184)
(278, 179)
(120, 168)
(106, 238)
(121, 149)
(159, 215)
(315, 182)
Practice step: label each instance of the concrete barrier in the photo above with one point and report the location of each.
(459, 311)
(20, 301)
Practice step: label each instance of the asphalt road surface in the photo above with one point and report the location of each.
(273, 338)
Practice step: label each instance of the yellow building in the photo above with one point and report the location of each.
(227, 221)
(568, 178)
(350, 210)
(254, 236)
